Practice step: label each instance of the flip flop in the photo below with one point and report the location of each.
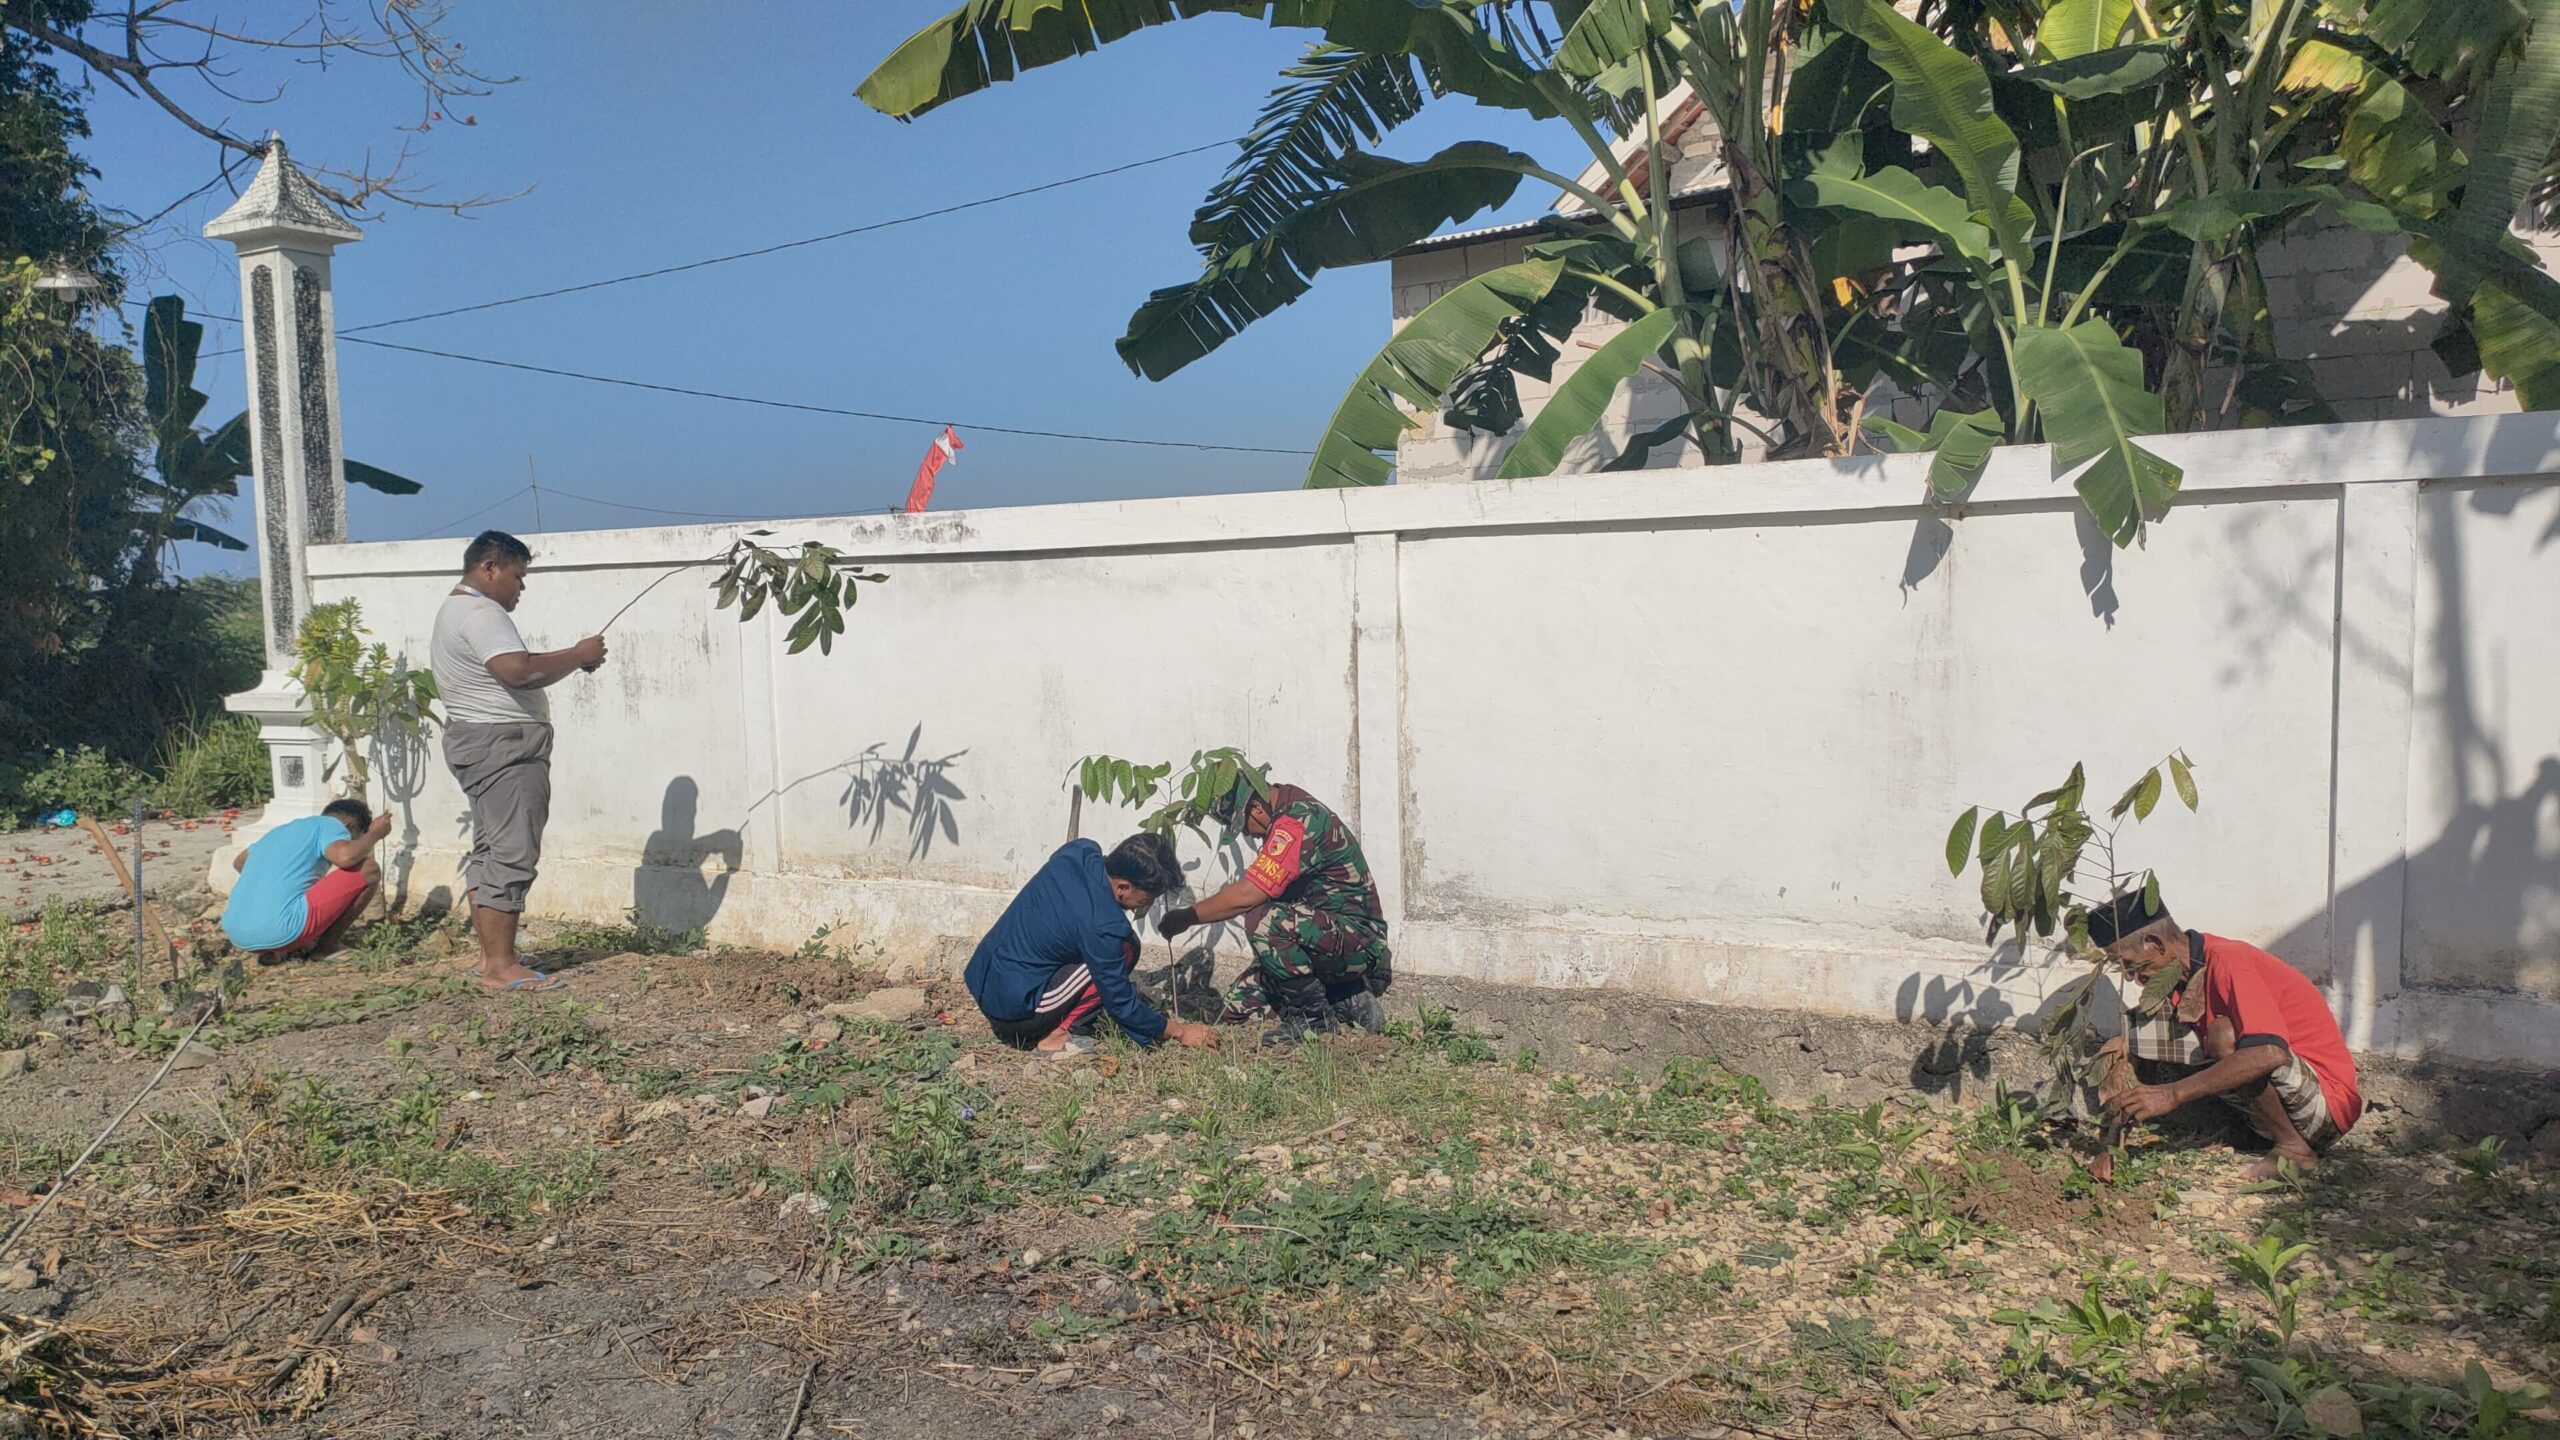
(537, 981)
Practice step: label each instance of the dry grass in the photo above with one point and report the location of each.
(814, 1327)
(94, 1382)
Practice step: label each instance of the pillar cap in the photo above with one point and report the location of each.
(282, 206)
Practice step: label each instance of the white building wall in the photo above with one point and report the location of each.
(1697, 733)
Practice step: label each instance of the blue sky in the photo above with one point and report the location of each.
(675, 132)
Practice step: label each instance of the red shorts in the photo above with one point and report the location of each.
(329, 899)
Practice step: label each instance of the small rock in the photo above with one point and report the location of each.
(194, 1055)
(22, 1004)
(498, 1407)
(115, 996)
(759, 1277)
(804, 1203)
(2546, 1142)
(826, 1032)
(1056, 1377)
(895, 1002)
(82, 999)
(2333, 1412)
(1032, 1257)
(758, 1108)
(965, 1064)
(12, 1063)
(1087, 1076)
(20, 1275)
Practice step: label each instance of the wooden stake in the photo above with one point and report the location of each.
(150, 918)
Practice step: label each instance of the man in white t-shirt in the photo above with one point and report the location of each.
(497, 742)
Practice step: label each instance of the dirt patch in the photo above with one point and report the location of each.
(660, 1203)
(37, 866)
(2005, 1189)
(1804, 1057)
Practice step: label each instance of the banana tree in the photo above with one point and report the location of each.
(2099, 179)
(2046, 221)
(191, 467)
(1303, 197)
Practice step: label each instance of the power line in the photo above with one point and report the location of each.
(819, 409)
(432, 530)
(660, 510)
(787, 244)
(776, 405)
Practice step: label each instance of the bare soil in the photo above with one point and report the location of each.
(681, 1199)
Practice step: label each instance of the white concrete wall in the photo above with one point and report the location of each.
(1699, 733)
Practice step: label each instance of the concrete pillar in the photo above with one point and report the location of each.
(2375, 702)
(285, 231)
(1378, 710)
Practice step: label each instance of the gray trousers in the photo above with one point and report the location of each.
(505, 771)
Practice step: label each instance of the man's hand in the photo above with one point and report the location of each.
(380, 827)
(1191, 1036)
(589, 653)
(1174, 922)
(2144, 1102)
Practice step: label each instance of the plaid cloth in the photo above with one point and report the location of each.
(2170, 1036)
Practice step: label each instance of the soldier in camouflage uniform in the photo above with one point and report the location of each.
(1310, 916)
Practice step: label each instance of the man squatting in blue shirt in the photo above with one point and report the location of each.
(1064, 951)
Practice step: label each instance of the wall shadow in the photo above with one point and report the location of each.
(878, 785)
(669, 888)
(399, 763)
(2475, 905)
(1965, 1011)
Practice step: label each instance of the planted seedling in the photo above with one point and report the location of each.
(1200, 796)
(2043, 866)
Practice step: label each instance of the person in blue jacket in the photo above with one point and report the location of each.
(1064, 952)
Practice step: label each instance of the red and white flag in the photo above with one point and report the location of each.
(946, 448)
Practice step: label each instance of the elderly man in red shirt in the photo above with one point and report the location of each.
(2269, 1046)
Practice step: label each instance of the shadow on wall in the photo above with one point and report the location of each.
(878, 785)
(1967, 1009)
(1933, 534)
(400, 762)
(670, 889)
(2476, 905)
(2496, 864)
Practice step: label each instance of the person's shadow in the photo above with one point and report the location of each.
(669, 889)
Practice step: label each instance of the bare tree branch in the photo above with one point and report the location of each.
(134, 48)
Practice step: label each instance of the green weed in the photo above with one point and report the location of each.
(634, 936)
(212, 762)
(1358, 1237)
(287, 1016)
(870, 1054)
(2098, 1348)
(60, 948)
(1436, 1028)
(399, 1137)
